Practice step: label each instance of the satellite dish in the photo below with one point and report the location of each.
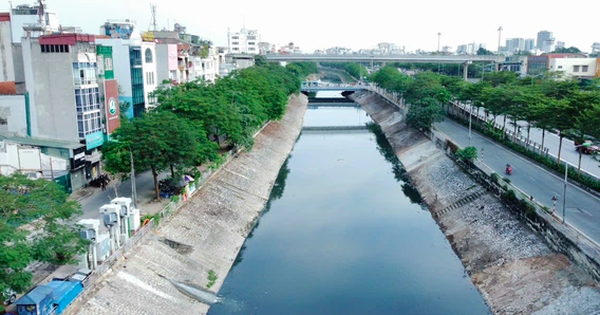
(177, 25)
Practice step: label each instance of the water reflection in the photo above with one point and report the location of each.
(386, 150)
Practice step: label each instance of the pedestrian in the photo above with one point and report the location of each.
(103, 185)
(531, 198)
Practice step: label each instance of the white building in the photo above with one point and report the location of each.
(542, 37)
(244, 42)
(575, 67)
(149, 70)
(22, 15)
(30, 161)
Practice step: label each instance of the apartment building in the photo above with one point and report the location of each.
(571, 65)
(134, 64)
(243, 42)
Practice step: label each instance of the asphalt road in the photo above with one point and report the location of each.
(583, 208)
(551, 141)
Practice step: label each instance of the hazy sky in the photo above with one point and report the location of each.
(315, 24)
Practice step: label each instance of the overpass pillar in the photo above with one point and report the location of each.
(466, 70)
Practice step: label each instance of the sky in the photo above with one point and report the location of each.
(318, 24)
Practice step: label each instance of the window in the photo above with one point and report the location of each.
(87, 100)
(235, 43)
(88, 123)
(84, 73)
(235, 48)
(251, 43)
(235, 37)
(251, 48)
(108, 64)
(559, 67)
(148, 54)
(252, 37)
(575, 68)
(584, 68)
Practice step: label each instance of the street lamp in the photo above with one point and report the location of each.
(566, 177)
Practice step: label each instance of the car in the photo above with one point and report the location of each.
(586, 147)
(9, 297)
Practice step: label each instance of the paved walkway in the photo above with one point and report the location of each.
(583, 208)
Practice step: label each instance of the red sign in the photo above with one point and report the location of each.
(111, 103)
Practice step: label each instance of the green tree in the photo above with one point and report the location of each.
(565, 50)
(467, 154)
(580, 104)
(424, 112)
(36, 224)
(483, 51)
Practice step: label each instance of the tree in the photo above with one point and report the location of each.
(498, 78)
(580, 105)
(423, 113)
(564, 50)
(260, 60)
(36, 224)
(467, 154)
(157, 140)
(483, 51)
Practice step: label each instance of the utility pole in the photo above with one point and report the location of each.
(565, 193)
(499, 37)
(133, 190)
(439, 34)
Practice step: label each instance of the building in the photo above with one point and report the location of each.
(560, 45)
(133, 62)
(109, 89)
(570, 64)
(542, 37)
(64, 97)
(23, 15)
(530, 44)
(595, 48)
(469, 49)
(192, 57)
(514, 45)
(243, 42)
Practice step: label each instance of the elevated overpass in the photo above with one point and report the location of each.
(460, 59)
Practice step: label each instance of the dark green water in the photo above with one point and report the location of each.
(343, 233)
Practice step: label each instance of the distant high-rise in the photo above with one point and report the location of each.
(542, 38)
(515, 44)
(530, 44)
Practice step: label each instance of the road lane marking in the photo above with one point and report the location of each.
(484, 138)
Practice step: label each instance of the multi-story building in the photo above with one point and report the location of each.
(542, 37)
(515, 44)
(595, 48)
(243, 42)
(572, 65)
(64, 98)
(133, 61)
(530, 44)
(39, 14)
(469, 49)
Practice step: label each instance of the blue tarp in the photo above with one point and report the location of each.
(37, 302)
(64, 292)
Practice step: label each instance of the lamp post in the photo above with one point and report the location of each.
(470, 115)
(439, 34)
(566, 177)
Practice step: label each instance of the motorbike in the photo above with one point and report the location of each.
(508, 170)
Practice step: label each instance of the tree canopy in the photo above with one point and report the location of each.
(36, 224)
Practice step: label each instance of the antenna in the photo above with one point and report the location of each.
(244, 21)
(153, 21)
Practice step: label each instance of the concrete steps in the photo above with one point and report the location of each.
(461, 202)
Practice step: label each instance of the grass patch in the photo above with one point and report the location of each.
(212, 278)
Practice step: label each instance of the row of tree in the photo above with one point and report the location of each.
(195, 120)
(352, 68)
(549, 103)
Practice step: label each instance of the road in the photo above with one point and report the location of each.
(583, 208)
(551, 141)
(144, 187)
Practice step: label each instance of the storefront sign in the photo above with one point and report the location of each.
(94, 140)
(111, 96)
(78, 159)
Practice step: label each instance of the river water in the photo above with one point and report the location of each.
(344, 233)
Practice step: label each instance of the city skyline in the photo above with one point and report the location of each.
(310, 26)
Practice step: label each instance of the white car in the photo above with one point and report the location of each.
(9, 297)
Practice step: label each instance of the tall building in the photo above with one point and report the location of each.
(595, 48)
(530, 44)
(133, 62)
(542, 37)
(243, 42)
(515, 44)
(560, 45)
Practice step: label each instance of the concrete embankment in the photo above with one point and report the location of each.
(513, 268)
(167, 272)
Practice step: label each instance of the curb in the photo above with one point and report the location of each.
(85, 196)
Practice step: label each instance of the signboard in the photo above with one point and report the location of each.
(148, 37)
(105, 61)
(111, 100)
(78, 159)
(94, 140)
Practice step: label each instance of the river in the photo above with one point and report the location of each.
(344, 233)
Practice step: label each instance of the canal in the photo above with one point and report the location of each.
(344, 233)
